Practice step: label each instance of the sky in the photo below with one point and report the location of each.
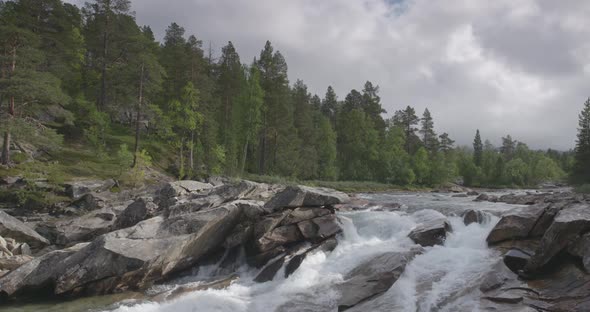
(504, 67)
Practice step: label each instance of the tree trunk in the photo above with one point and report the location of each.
(103, 79)
(192, 159)
(11, 114)
(261, 163)
(6, 149)
(244, 158)
(137, 117)
(181, 158)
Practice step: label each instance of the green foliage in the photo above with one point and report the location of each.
(581, 167)
(583, 189)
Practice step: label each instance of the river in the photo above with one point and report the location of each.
(442, 278)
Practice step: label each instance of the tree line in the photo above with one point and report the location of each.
(82, 73)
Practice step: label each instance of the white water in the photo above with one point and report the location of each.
(443, 278)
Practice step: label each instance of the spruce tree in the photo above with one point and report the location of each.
(407, 120)
(446, 143)
(581, 170)
(330, 105)
(477, 149)
(428, 135)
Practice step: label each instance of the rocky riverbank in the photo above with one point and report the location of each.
(133, 240)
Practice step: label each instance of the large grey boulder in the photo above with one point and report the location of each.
(137, 211)
(373, 277)
(149, 251)
(13, 228)
(305, 196)
(581, 249)
(431, 229)
(319, 228)
(38, 272)
(475, 216)
(133, 257)
(516, 223)
(567, 228)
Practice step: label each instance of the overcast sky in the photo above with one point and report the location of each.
(503, 66)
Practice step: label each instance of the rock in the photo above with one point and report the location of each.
(295, 260)
(11, 227)
(22, 249)
(136, 212)
(472, 193)
(432, 228)
(169, 193)
(217, 180)
(528, 199)
(279, 236)
(77, 189)
(547, 217)
(79, 229)
(304, 214)
(482, 197)
(240, 235)
(86, 202)
(270, 270)
(516, 224)
(516, 260)
(581, 249)
(244, 189)
(10, 180)
(13, 262)
(499, 276)
(319, 228)
(372, 278)
(475, 216)
(186, 289)
(194, 205)
(459, 195)
(304, 196)
(567, 227)
(38, 272)
(147, 252)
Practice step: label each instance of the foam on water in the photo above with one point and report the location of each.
(443, 278)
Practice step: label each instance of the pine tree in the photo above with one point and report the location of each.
(330, 105)
(477, 149)
(428, 135)
(104, 16)
(372, 107)
(446, 144)
(508, 147)
(581, 170)
(407, 120)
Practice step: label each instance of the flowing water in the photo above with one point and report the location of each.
(443, 278)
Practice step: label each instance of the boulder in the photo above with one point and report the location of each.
(304, 214)
(475, 216)
(319, 228)
(270, 270)
(279, 236)
(459, 195)
(245, 189)
(581, 249)
(304, 196)
(138, 211)
(432, 228)
(86, 202)
(134, 257)
(372, 278)
(472, 193)
(150, 251)
(38, 272)
(10, 180)
(79, 229)
(567, 228)
(169, 193)
(523, 199)
(516, 260)
(21, 249)
(516, 224)
(482, 197)
(13, 262)
(13, 228)
(77, 189)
